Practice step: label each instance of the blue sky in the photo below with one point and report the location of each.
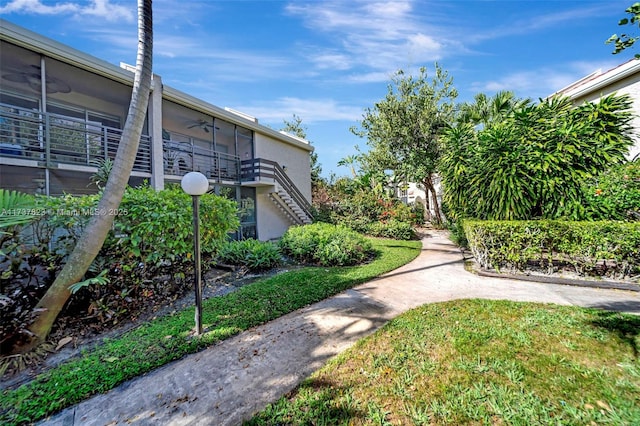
(326, 61)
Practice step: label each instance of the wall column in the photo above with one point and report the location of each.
(155, 131)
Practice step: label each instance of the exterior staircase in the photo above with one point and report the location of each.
(289, 207)
(285, 195)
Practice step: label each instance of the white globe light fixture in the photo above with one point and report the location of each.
(196, 184)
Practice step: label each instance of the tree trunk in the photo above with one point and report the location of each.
(95, 233)
(428, 184)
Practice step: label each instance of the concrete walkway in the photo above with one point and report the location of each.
(226, 383)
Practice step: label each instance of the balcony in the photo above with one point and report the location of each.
(182, 157)
(33, 138)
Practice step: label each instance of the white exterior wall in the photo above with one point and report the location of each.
(272, 223)
(297, 160)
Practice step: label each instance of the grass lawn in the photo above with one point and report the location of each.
(166, 339)
(478, 362)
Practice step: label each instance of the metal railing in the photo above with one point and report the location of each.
(258, 169)
(53, 139)
(182, 157)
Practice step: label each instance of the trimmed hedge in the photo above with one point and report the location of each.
(604, 248)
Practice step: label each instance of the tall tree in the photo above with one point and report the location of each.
(487, 110)
(95, 233)
(407, 124)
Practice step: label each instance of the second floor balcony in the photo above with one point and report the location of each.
(41, 139)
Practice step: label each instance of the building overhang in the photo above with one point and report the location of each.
(35, 42)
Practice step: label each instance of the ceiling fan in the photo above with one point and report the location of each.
(203, 124)
(31, 77)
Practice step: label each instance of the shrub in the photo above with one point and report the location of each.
(325, 244)
(151, 226)
(391, 229)
(615, 194)
(456, 233)
(593, 248)
(255, 255)
(418, 211)
(532, 164)
(156, 226)
(145, 257)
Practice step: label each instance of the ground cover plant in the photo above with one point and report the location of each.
(165, 339)
(478, 362)
(253, 254)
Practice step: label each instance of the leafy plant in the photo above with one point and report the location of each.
(100, 177)
(614, 194)
(16, 209)
(532, 164)
(325, 244)
(100, 279)
(591, 248)
(255, 255)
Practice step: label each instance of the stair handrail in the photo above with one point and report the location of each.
(260, 168)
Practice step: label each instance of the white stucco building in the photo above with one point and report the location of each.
(51, 135)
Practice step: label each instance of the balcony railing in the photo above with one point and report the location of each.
(52, 139)
(259, 169)
(183, 157)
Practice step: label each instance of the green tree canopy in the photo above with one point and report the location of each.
(403, 129)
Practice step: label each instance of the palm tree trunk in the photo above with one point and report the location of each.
(95, 233)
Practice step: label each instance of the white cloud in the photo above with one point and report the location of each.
(543, 81)
(36, 7)
(95, 8)
(536, 23)
(109, 11)
(309, 110)
(374, 35)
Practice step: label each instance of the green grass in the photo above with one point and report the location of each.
(166, 339)
(478, 362)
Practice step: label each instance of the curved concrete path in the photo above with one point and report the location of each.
(227, 382)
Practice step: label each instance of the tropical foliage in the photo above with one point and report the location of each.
(98, 227)
(151, 237)
(533, 163)
(252, 254)
(614, 194)
(16, 209)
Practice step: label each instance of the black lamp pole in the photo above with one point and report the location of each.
(196, 251)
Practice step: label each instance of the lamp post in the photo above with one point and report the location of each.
(196, 184)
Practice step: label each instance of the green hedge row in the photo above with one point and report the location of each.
(604, 248)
